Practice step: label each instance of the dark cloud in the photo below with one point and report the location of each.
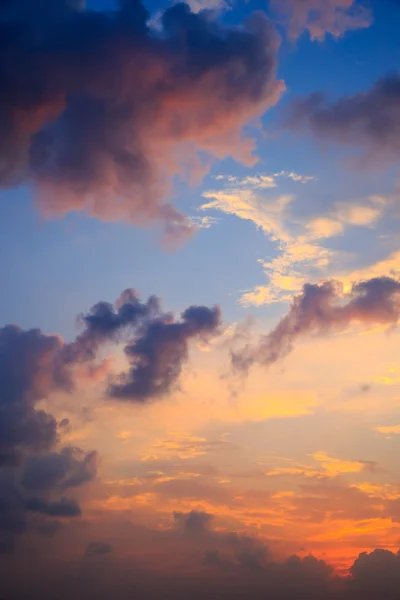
(157, 355)
(35, 486)
(12, 514)
(160, 564)
(321, 308)
(377, 574)
(157, 342)
(99, 113)
(194, 521)
(33, 365)
(98, 548)
(29, 371)
(34, 477)
(49, 528)
(61, 508)
(369, 120)
(69, 468)
(31, 368)
(105, 322)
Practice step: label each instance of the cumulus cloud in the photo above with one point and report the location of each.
(321, 17)
(368, 120)
(29, 370)
(34, 475)
(99, 113)
(323, 308)
(377, 572)
(194, 521)
(157, 342)
(105, 322)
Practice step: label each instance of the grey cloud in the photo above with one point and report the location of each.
(29, 371)
(69, 468)
(367, 120)
(320, 309)
(61, 508)
(194, 521)
(157, 356)
(98, 548)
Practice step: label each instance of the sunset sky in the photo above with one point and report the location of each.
(199, 372)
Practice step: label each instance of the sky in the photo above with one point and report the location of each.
(199, 377)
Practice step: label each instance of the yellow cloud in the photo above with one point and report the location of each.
(335, 466)
(249, 205)
(277, 405)
(181, 445)
(323, 227)
(388, 266)
(124, 435)
(389, 429)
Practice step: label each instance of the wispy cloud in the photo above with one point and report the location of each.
(301, 251)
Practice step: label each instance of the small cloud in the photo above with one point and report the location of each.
(388, 429)
(296, 177)
(124, 436)
(184, 446)
(203, 222)
(98, 549)
(336, 466)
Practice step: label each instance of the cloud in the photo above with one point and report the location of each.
(246, 199)
(203, 222)
(335, 466)
(377, 573)
(388, 429)
(193, 522)
(90, 131)
(61, 508)
(301, 253)
(368, 120)
(35, 487)
(157, 343)
(105, 322)
(32, 475)
(98, 549)
(33, 365)
(157, 355)
(29, 371)
(69, 468)
(323, 308)
(321, 17)
(184, 446)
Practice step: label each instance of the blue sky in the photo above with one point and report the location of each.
(49, 281)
